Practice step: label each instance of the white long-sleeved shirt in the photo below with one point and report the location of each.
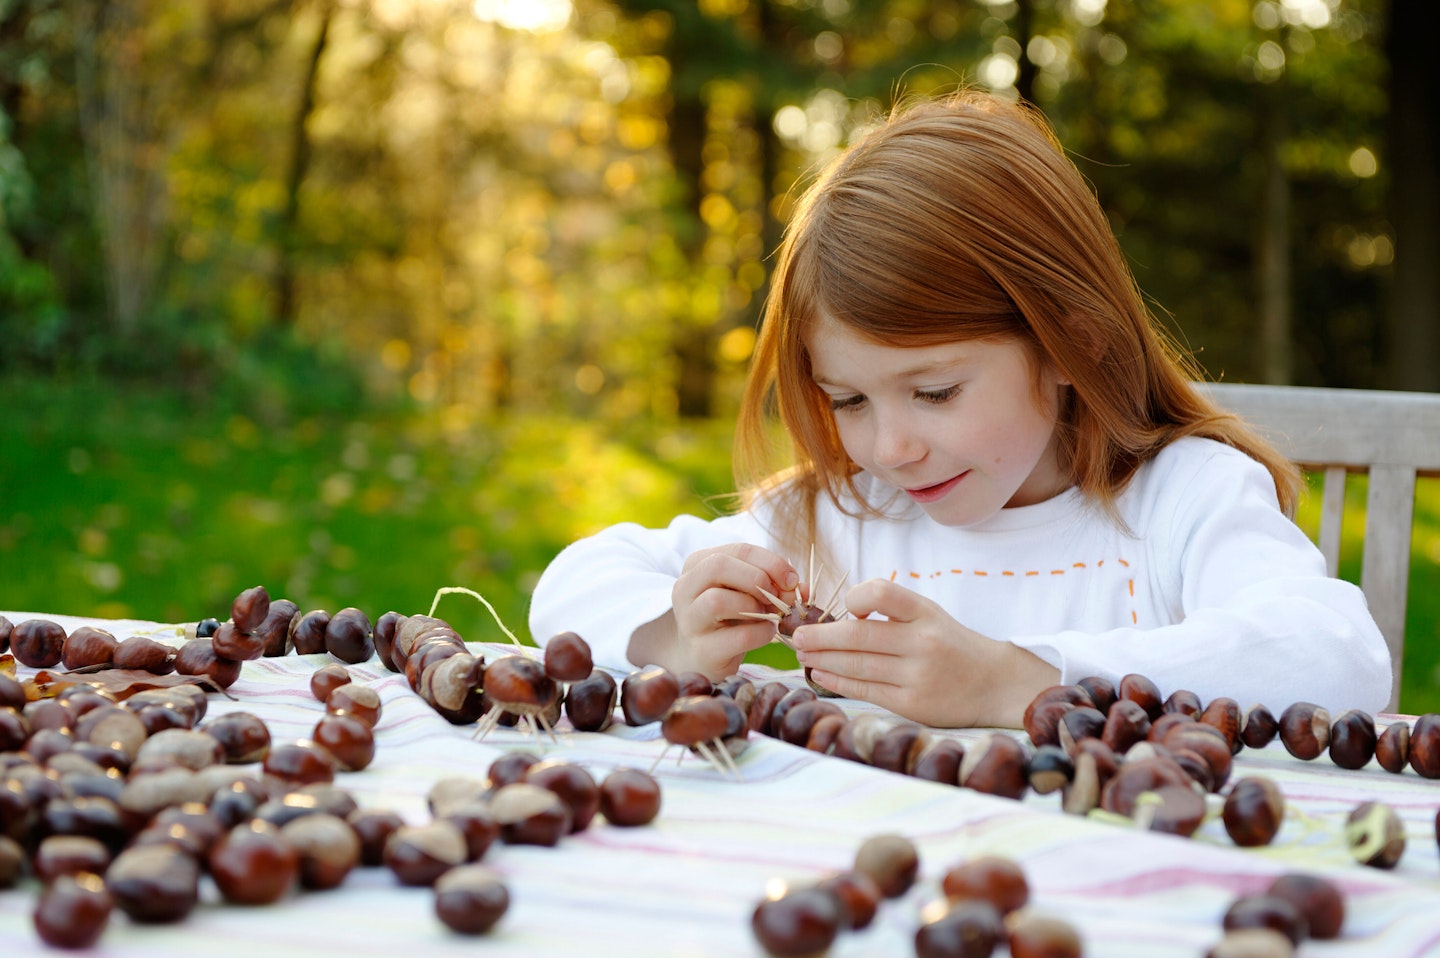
(1211, 589)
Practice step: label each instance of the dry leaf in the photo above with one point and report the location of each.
(121, 683)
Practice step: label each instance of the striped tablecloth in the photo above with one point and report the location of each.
(687, 884)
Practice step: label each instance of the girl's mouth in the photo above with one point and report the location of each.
(926, 494)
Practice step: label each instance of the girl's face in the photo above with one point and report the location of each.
(956, 426)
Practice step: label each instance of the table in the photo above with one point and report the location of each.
(687, 884)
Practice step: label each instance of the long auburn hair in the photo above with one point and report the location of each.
(961, 218)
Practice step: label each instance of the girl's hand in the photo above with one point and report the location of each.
(919, 662)
(707, 630)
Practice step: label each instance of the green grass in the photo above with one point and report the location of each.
(131, 504)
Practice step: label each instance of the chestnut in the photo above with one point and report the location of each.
(997, 765)
(1352, 739)
(992, 878)
(967, 929)
(1253, 811)
(762, 709)
(1375, 835)
(250, 608)
(799, 922)
(1101, 690)
(38, 643)
(327, 679)
(419, 854)
(142, 653)
(895, 749)
(1126, 723)
(1077, 723)
(572, 784)
(253, 864)
(348, 636)
(590, 703)
(629, 797)
(859, 895)
(1035, 935)
(567, 658)
(1252, 943)
(349, 741)
(243, 737)
(1267, 911)
(198, 657)
(798, 721)
(191, 826)
(470, 899)
(374, 826)
(476, 823)
(307, 632)
(1143, 692)
(1224, 714)
(1050, 769)
(88, 646)
(72, 911)
(1305, 730)
(940, 760)
(58, 855)
(891, 860)
(518, 684)
(791, 699)
(1392, 748)
(1316, 898)
(155, 883)
(360, 701)
(328, 848)
(299, 763)
(274, 632)
(230, 643)
(1182, 702)
(1258, 727)
(529, 814)
(383, 635)
(12, 861)
(1425, 745)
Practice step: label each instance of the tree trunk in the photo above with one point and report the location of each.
(285, 305)
(1413, 313)
(1272, 259)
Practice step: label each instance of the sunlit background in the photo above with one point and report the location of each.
(361, 298)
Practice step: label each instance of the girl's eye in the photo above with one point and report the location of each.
(937, 395)
(846, 402)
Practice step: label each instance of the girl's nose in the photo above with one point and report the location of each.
(897, 442)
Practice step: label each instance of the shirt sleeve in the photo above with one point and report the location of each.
(606, 586)
(1260, 622)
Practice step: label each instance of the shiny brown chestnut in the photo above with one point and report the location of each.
(1141, 690)
(1305, 730)
(349, 741)
(357, 700)
(470, 899)
(243, 736)
(38, 643)
(572, 784)
(1375, 835)
(307, 632)
(798, 922)
(1425, 745)
(250, 608)
(896, 748)
(1258, 727)
(939, 761)
(419, 854)
(87, 646)
(647, 694)
(590, 703)
(253, 864)
(508, 768)
(1182, 702)
(327, 679)
(142, 653)
(997, 764)
(530, 814)
(155, 883)
(1352, 739)
(1050, 769)
(892, 861)
(859, 895)
(567, 657)
(629, 797)
(386, 629)
(476, 822)
(1224, 714)
(992, 878)
(374, 826)
(1253, 812)
(72, 911)
(517, 684)
(1267, 911)
(327, 846)
(1252, 943)
(58, 855)
(274, 632)
(1032, 934)
(1392, 748)
(198, 657)
(1318, 900)
(1101, 690)
(299, 763)
(349, 637)
(230, 643)
(967, 929)
(1126, 723)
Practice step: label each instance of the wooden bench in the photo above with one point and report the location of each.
(1392, 436)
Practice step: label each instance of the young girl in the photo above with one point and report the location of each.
(997, 451)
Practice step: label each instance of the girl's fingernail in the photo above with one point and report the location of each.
(802, 657)
(799, 636)
(791, 580)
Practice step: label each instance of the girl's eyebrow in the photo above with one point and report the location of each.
(913, 372)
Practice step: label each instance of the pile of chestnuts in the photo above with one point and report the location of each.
(982, 904)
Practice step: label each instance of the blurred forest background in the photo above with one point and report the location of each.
(357, 299)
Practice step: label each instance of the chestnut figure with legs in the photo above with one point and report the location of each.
(993, 439)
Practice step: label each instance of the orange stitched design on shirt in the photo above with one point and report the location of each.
(982, 573)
